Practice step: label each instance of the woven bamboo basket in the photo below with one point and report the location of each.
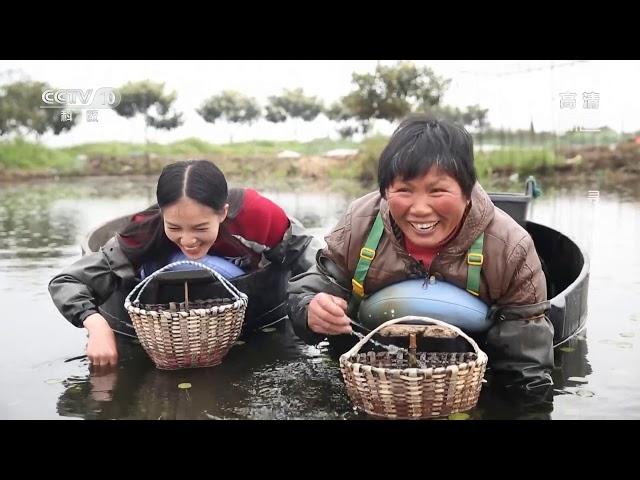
(191, 334)
(413, 385)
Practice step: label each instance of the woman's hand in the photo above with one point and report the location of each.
(101, 348)
(326, 315)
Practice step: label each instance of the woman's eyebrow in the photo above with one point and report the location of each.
(195, 226)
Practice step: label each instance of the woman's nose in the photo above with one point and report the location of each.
(188, 241)
(421, 206)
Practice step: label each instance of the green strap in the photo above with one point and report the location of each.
(474, 262)
(367, 254)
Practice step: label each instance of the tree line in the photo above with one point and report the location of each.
(389, 93)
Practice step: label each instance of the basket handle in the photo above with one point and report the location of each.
(237, 294)
(426, 320)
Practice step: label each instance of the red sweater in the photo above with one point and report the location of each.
(424, 255)
(259, 220)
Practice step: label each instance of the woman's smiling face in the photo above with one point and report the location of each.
(192, 226)
(427, 208)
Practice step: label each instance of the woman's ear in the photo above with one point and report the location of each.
(225, 212)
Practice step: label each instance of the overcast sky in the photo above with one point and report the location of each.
(516, 92)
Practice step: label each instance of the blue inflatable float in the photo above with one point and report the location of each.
(435, 298)
(220, 264)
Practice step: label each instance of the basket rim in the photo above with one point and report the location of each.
(356, 366)
(230, 304)
(424, 319)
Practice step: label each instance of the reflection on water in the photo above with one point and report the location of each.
(271, 376)
(274, 375)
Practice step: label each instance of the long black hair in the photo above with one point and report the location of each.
(421, 142)
(200, 180)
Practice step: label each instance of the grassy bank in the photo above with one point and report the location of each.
(24, 159)
(257, 161)
(22, 155)
(194, 146)
(496, 162)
